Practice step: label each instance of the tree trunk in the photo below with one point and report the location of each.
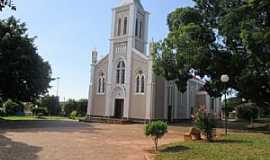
(156, 144)
(251, 123)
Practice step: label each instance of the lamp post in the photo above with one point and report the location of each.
(225, 79)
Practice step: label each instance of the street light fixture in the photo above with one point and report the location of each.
(225, 79)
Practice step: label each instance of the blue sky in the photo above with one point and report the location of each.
(68, 30)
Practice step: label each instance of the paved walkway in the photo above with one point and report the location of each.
(69, 140)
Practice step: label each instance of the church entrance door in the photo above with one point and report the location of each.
(119, 108)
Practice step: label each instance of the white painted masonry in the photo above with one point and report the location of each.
(120, 99)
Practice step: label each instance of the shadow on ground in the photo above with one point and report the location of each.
(10, 150)
(47, 126)
(226, 141)
(174, 149)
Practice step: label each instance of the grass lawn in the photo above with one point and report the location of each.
(29, 118)
(237, 146)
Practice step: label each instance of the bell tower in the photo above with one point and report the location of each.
(129, 32)
(130, 24)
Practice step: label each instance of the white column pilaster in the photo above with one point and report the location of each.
(146, 21)
(109, 104)
(91, 90)
(132, 15)
(149, 90)
(166, 99)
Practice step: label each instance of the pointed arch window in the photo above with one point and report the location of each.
(101, 84)
(125, 26)
(136, 27)
(119, 27)
(140, 83)
(120, 73)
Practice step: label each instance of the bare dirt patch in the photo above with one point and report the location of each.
(69, 140)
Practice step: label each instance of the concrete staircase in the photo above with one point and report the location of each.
(106, 120)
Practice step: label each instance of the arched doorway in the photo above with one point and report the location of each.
(119, 101)
(118, 108)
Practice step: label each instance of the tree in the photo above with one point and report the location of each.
(82, 107)
(79, 106)
(24, 75)
(11, 107)
(219, 37)
(70, 106)
(248, 111)
(232, 103)
(8, 3)
(51, 103)
(156, 129)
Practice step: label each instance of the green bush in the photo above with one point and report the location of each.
(2, 113)
(205, 122)
(247, 111)
(39, 111)
(79, 106)
(70, 106)
(73, 115)
(11, 108)
(156, 129)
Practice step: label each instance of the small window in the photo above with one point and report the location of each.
(125, 26)
(119, 27)
(136, 28)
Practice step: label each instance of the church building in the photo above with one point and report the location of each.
(123, 84)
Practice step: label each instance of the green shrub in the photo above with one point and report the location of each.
(79, 106)
(11, 108)
(205, 122)
(73, 115)
(156, 129)
(39, 111)
(70, 106)
(2, 113)
(247, 111)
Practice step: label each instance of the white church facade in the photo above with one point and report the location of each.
(123, 84)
